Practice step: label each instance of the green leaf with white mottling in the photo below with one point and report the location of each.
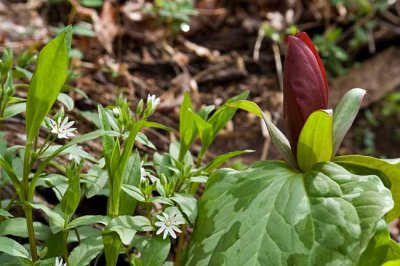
(387, 171)
(271, 214)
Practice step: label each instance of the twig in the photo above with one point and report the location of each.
(278, 63)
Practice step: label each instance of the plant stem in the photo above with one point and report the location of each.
(181, 242)
(65, 238)
(25, 201)
(31, 232)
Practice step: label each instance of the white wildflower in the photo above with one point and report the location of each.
(62, 128)
(152, 103)
(74, 157)
(153, 100)
(116, 111)
(60, 262)
(168, 225)
(143, 172)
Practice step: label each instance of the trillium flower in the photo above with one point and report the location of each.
(168, 225)
(62, 128)
(305, 87)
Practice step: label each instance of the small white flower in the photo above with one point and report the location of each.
(74, 157)
(168, 225)
(62, 128)
(143, 172)
(116, 111)
(153, 100)
(60, 262)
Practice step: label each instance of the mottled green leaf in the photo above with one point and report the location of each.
(273, 215)
(389, 173)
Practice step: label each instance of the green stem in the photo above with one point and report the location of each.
(181, 242)
(25, 200)
(65, 238)
(31, 232)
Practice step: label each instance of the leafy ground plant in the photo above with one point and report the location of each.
(150, 199)
(312, 209)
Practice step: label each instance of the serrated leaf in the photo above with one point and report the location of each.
(12, 247)
(315, 140)
(344, 115)
(271, 214)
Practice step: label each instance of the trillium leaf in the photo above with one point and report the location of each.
(315, 140)
(271, 214)
(279, 140)
(388, 172)
(344, 115)
(47, 81)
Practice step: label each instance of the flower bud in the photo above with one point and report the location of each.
(305, 87)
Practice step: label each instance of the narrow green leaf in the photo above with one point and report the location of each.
(315, 141)
(17, 227)
(14, 110)
(344, 115)
(205, 130)
(87, 250)
(56, 221)
(12, 247)
(187, 127)
(386, 170)
(271, 214)
(88, 220)
(156, 251)
(132, 177)
(127, 226)
(11, 174)
(225, 113)
(72, 195)
(151, 124)
(187, 204)
(133, 192)
(46, 83)
(217, 161)
(66, 100)
(279, 140)
(77, 140)
(5, 213)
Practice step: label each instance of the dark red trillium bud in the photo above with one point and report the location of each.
(305, 87)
